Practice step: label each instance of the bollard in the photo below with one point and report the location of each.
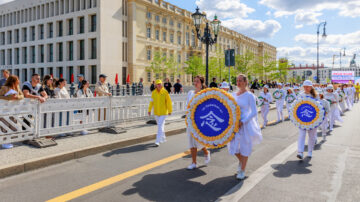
(123, 90)
(127, 89)
(118, 89)
(72, 90)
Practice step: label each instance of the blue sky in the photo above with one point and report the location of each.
(291, 25)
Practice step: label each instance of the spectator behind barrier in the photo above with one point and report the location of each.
(48, 86)
(34, 90)
(6, 75)
(102, 88)
(60, 90)
(84, 90)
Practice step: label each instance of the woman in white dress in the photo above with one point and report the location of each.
(342, 97)
(308, 91)
(249, 130)
(193, 144)
(333, 98)
(288, 100)
(265, 107)
(325, 123)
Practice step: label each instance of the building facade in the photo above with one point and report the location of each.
(90, 37)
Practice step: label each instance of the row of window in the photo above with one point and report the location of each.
(10, 56)
(164, 54)
(171, 37)
(164, 20)
(172, 77)
(46, 10)
(21, 35)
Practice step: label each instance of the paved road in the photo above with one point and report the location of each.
(144, 173)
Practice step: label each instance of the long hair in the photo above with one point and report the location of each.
(83, 83)
(202, 80)
(313, 92)
(45, 80)
(11, 82)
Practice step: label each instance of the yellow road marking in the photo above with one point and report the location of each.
(117, 178)
(112, 180)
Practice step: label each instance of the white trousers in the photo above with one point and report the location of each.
(160, 120)
(279, 109)
(324, 126)
(311, 141)
(264, 113)
(348, 102)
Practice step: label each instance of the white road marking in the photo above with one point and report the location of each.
(240, 190)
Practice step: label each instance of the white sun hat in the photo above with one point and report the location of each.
(307, 83)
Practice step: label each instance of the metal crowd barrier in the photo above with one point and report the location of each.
(28, 119)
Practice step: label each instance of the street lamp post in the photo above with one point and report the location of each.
(342, 55)
(206, 38)
(324, 36)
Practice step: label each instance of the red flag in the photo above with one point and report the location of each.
(52, 76)
(128, 78)
(61, 76)
(72, 78)
(94, 93)
(116, 79)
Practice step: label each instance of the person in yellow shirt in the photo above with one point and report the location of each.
(161, 102)
(357, 92)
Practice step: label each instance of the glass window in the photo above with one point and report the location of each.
(148, 15)
(157, 33)
(93, 23)
(71, 29)
(82, 50)
(148, 32)
(172, 38)
(157, 18)
(60, 29)
(71, 51)
(81, 25)
(148, 54)
(164, 36)
(93, 48)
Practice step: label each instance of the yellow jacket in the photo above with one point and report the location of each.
(161, 102)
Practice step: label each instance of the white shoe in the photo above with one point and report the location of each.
(84, 132)
(241, 175)
(157, 144)
(163, 140)
(207, 158)
(300, 155)
(239, 168)
(324, 137)
(191, 166)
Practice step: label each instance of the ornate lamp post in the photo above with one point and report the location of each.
(324, 36)
(342, 55)
(206, 38)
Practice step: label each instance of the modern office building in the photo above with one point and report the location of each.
(65, 37)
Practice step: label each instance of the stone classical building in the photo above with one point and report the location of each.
(65, 37)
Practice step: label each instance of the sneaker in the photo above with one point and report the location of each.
(241, 175)
(157, 144)
(191, 166)
(239, 168)
(84, 132)
(7, 146)
(324, 137)
(163, 140)
(300, 155)
(207, 158)
(309, 154)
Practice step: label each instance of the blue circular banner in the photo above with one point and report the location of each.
(306, 113)
(211, 117)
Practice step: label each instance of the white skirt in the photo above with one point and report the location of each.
(192, 142)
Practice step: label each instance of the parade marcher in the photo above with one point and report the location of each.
(308, 91)
(161, 102)
(266, 106)
(296, 90)
(289, 98)
(348, 96)
(199, 84)
(225, 86)
(357, 92)
(342, 98)
(249, 130)
(353, 94)
(325, 123)
(280, 103)
(334, 114)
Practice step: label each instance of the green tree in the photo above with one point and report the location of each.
(281, 70)
(244, 63)
(195, 66)
(158, 65)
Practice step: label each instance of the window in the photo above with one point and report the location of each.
(171, 22)
(157, 18)
(179, 58)
(71, 51)
(82, 50)
(179, 39)
(148, 15)
(60, 51)
(157, 33)
(164, 36)
(192, 39)
(2, 38)
(70, 28)
(149, 77)
(93, 74)
(51, 53)
(32, 54)
(93, 49)
(148, 32)
(51, 30)
(17, 36)
(93, 23)
(179, 25)
(148, 54)
(164, 20)
(81, 25)
(187, 39)
(24, 51)
(41, 47)
(41, 32)
(17, 55)
(32, 30)
(171, 38)
(9, 37)
(60, 28)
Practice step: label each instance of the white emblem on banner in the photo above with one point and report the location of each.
(211, 120)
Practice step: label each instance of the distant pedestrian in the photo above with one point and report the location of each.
(265, 108)
(162, 105)
(167, 85)
(213, 84)
(178, 87)
(140, 87)
(5, 75)
(152, 87)
(80, 79)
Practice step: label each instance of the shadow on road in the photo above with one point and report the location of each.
(292, 168)
(181, 185)
(131, 149)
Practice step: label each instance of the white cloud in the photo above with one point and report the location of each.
(306, 12)
(234, 15)
(5, 1)
(341, 40)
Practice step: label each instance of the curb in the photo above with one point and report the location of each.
(42, 162)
